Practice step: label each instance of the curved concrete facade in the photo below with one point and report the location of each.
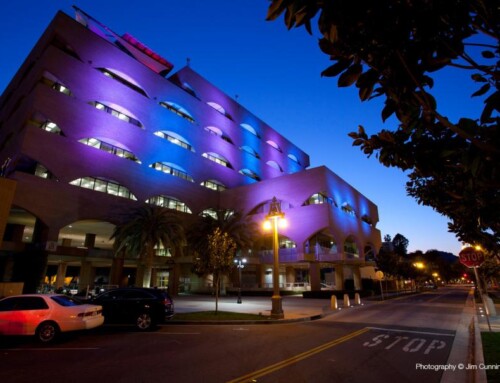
(92, 111)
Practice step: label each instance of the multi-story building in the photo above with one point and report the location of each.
(95, 123)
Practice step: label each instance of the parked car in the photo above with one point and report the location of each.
(143, 307)
(46, 315)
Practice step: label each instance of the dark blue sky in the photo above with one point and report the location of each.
(276, 75)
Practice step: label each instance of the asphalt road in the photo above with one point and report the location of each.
(395, 339)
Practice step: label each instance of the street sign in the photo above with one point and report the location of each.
(471, 257)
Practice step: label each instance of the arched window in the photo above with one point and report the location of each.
(275, 165)
(318, 199)
(169, 203)
(293, 158)
(169, 168)
(217, 107)
(250, 129)
(124, 116)
(351, 248)
(56, 84)
(175, 139)
(51, 127)
(112, 149)
(177, 109)
(369, 253)
(188, 88)
(347, 208)
(250, 150)
(218, 159)
(214, 185)
(218, 132)
(104, 185)
(274, 145)
(249, 173)
(123, 79)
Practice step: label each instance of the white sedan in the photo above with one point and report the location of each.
(46, 315)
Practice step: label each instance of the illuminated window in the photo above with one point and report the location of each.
(293, 158)
(104, 186)
(42, 172)
(217, 132)
(351, 249)
(116, 113)
(218, 159)
(115, 150)
(250, 150)
(61, 88)
(219, 109)
(346, 208)
(50, 80)
(214, 185)
(177, 109)
(274, 165)
(172, 169)
(318, 199)
(249, 173)
(51, 127)
(176, 139)
(123, 79)
(188, 88)
(274, 145)
(169, 203)
(250, 129)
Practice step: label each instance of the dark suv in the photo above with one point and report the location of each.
(143, 307)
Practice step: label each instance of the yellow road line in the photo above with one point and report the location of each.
(297, 358)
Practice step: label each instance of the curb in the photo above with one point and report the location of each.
(246, 322)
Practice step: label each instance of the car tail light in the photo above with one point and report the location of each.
(89, 314)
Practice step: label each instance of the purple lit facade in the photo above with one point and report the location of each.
(94, 123)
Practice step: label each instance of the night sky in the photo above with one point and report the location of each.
(274, 73)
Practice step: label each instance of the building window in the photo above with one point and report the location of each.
(293, 158)
(274, 145)
(42, 172)
(115, 150)
(217, 158)
(61, 88)
(169, 203)
(169, 168)
(249, 173)
(50, 80)
(214, 185)
(365, 218)
(351, 249)
(249, 150)
(175, 139)
(116, 113)
(177, 109)
(51, 127)
(275, 165)
(188, 88)
(122, 78)
(104, 186)
(346, 208)
(250, 129)
(219, 109)
(318, 199)
(217, 132)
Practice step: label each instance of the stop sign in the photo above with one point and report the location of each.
(471, 257)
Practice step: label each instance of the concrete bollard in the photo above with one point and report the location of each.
(357, 299)
(346, 301)
(333, 303)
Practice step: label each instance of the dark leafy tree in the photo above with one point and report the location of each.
(400, 243)
(390, 49)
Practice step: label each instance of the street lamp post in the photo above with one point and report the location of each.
(240, 264)
(273, 218)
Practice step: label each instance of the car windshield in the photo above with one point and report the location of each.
(63, 300)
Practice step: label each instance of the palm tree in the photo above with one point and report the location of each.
(144, 229)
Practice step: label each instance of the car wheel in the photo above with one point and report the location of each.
(47, 332)
(144, 322)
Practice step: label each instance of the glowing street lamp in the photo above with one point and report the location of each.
(274, 218)
(240, 264)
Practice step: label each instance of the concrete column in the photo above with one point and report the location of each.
(356, 273)
(85, 275)
(7, 191)
(89, 240)
(339, 277)
(290, 274)
(315, 276)
(61, 274)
